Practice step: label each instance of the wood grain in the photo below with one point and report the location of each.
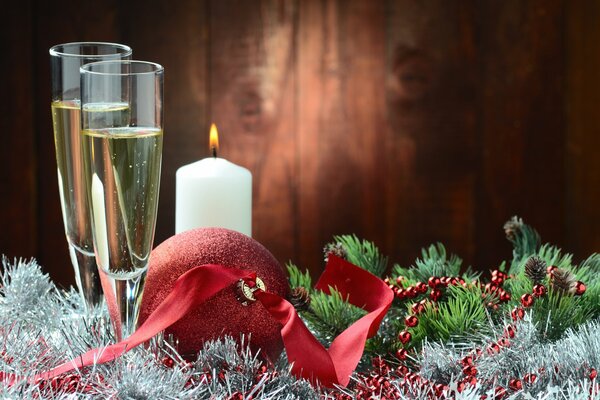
(18, 236)
(583, 128)
(252, 87)
(521, 54)
(431, 123)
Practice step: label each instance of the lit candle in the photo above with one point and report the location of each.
(213, 192)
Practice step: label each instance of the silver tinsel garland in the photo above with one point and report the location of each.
(42, 326)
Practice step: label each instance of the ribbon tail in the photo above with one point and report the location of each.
(310, 359)
(191, 289)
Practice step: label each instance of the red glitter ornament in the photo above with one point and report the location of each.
(530, 378)
(527, 300)
(539, 290)
(580, 288)
(223, 313)
(593, 374)
(411, 321)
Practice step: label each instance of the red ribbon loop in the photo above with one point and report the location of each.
(310, 359)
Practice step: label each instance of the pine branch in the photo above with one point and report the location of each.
(524, 238)
(299, 279)
(463, 312)
(363, 253)
(434, 262)
(330, 314)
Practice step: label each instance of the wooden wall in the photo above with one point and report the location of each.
(405, 122)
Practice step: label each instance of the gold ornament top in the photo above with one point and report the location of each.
(246, 290)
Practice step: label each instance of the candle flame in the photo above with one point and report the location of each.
(214, 140)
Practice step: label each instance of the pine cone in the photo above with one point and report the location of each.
(300, 298)
(337, 249)
(535, 269)
(563, 281)
(512, 226)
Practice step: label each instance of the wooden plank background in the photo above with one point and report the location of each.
(403, 122)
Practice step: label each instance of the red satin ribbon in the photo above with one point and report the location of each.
(310, 359)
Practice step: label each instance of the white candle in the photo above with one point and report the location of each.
(213, 192)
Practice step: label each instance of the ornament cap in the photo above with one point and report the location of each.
(246, 290)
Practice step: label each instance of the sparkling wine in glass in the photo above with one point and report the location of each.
(65, 61)
(122, 135)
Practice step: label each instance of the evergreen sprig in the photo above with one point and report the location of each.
(462, 312)
(434, 261)
(363, 253)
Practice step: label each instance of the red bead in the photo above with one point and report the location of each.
(504, 342)
(410, 292)
(404, 337)
(551, 269)
(494, 348)
(515, 384)
(497, 281)
(445, 281)
(466, 361)
(400, 294)
(399, 280)
(505, 296)
(470, 370)
(472, 381)
(527, 300)
(418, 308)
(460, 387)
(386, 281)
(593, 374)
(517, 314)
(509, 331)
(530, 378)
(499, 392)
(435, 294)
(402, 370)
(579, 288)
(168, 362)
(539, 290)
(411, 321)
(433, 282)
(421, 287)
(401, 354)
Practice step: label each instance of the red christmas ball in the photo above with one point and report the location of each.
(404, 337)
(222, 314)
(411, 321)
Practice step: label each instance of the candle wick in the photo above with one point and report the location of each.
(214, 151)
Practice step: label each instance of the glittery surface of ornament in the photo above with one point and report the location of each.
(223, 314)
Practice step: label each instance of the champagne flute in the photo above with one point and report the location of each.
(65, 61)
(122, 132)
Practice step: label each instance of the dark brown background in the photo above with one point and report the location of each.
(405, 122)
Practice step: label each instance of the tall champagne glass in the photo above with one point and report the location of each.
(122, 134)
(65, 61)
